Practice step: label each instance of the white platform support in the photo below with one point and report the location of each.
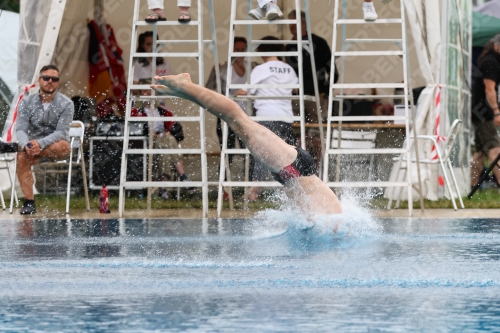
(344, 52)
(200, 42)
(252, 44)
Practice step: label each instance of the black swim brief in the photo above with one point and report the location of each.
(302, 166)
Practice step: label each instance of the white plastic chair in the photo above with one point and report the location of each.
(5, 160)
(443, 159)
(76, 135)
(354, 139)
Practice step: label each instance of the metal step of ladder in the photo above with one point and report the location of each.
(301, 44)
(407, 96)
(200, 119)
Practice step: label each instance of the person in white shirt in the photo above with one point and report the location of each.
(159, 15)
(143, 68)
(291, 166)
(369, 13)
(272, 72)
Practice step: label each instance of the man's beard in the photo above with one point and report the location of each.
(47, 91)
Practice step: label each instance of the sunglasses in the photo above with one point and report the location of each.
(47, 78)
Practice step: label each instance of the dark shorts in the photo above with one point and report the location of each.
(303, 165)
(486, 137)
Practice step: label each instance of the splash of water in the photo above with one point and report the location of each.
(355, 221)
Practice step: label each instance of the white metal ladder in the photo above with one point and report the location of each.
(157, 45)
(408, 100)
(307, 45)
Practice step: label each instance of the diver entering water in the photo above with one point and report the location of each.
(303, 188)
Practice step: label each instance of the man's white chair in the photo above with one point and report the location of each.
(76, 135)
(443, 158)
(5, 160)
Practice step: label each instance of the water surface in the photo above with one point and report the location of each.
(269, 274)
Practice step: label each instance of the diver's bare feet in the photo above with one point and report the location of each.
(171, 84)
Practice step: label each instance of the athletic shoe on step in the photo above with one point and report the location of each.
(369, 13)
(270, 11)
(257, 13)
(8, 147)
(273, 12)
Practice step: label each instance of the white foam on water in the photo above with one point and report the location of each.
(355, 221)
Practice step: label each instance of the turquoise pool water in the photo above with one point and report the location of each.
(269, 274)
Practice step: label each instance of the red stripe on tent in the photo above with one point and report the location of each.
(10, 132)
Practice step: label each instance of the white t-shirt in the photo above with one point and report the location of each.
(273, 72)
(236, 79)
(144, 72)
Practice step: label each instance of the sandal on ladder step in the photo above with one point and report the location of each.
(154, 17)
(184, 18)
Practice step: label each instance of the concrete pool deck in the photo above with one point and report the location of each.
(197, 213)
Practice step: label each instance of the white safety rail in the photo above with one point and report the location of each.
(200, 118)
(301, 44)
(344, 52)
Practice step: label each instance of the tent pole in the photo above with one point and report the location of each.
(50, 36)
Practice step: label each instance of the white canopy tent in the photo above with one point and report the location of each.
(55, 31)
(8, 58)
(441, 32)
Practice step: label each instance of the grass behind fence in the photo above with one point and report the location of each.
(487, 198)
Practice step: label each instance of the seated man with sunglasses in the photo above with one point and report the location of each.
(42, 130)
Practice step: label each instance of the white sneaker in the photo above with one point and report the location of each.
(272, 11)
(369, 12)
(257, 13)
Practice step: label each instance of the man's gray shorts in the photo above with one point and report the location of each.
(486, 137)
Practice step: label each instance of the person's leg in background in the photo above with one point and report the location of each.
(477, 164)
(159, 14)
(313, 145)
(165, 162)
(487, 144)
(492, 155)
(268, 9)
(219, 131)
(55, 151)
(231, 143)
(168, 161)
(476, 167)
(178, 163)
(184, 6)
(369, 13)
(313, 140)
